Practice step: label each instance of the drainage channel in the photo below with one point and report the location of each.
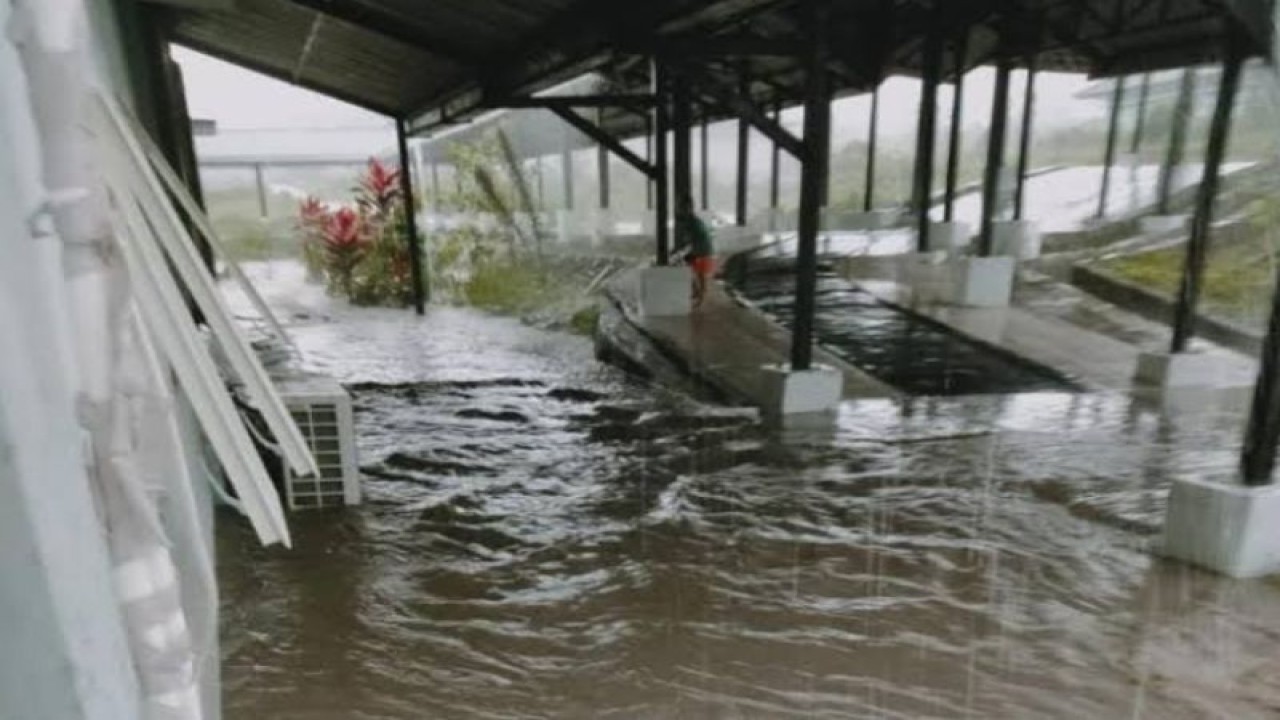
(913, 354)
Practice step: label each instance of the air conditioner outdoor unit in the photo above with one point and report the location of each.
(322, 410)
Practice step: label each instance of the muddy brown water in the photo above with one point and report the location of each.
(545, 537)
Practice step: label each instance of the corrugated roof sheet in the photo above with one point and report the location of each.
(443, 61)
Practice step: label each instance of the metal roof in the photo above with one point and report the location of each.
(441, 62)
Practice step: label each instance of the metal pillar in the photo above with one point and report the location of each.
(1113, 129)
(1262, 435)
(648, 156)
(1140, 122)
(682, 155)
(775, 185)
(995, 155)
(1198, 245)
(704, 151)
(956, 129)
(566, 177)
(260, 184)
(661, 126)
(744, 145)
(926, 136)
(542, 197)
(1024, 147)
(1182, 112)
(602, 166)
(873, 137)
(817, 141)
(411, 219)
(435, 187)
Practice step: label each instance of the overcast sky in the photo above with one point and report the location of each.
(240, 99)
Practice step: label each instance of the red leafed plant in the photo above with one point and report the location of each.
(346, 238)
(361, 249)
(379, 189)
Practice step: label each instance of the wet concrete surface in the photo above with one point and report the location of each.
(547, 537)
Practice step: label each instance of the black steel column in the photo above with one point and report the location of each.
(682, 155)
(817, 142)
(411, 219)
(1113, 129)
(566, 167)
(602, 166)
(1198, 245)
(704, 151)
(542, 198)
(1024, 147)
(1182, 112)
(661, 127)
(260, 184)
(926, 135)
(1262, 435)
(744, 145)
(775, 185)
(648, 156)
(1140, 121)
(956, 129)
(435, 187)
(873, 137)
(995, 155)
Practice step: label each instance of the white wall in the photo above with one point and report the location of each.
(63, 653)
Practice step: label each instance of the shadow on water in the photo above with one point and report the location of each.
(545, 537)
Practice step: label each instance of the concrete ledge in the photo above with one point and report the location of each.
(788, 392)
(1016, 238)
(1162, 224)
(1227, 528)
(1181, 370)
(950, 237)
(665, 291)
(1159, 307)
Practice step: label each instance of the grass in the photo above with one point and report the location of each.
(1237, 280)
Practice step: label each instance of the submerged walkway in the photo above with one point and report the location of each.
(725, 344)
(1054, 324)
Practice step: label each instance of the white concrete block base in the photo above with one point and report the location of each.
(1225, 527)
(1017, 238)
(929, 277)
(774, 220)
(804, 392)
(951, 237)
(1181, 370)
(665, 291)
(982, 281)
(734, 239)
(964, 281)
(856, 220)
(1162, 224)
(604, 224)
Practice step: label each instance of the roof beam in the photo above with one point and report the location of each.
(743, 107)
(628, 101)
(361, 15)
(611, 143)
(722, 46)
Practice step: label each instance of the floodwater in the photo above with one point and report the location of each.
(545, 537)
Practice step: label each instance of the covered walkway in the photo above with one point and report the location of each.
(668, 65)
